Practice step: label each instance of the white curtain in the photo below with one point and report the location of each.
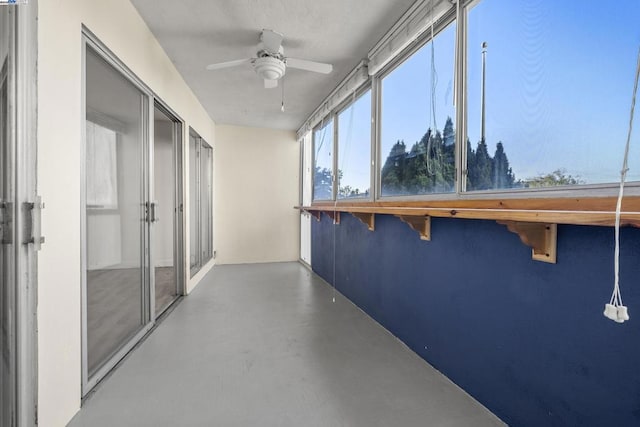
(102, 179)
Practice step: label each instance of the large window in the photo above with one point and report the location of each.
(323, 161)
(354, 149)
(542, 91)
(417, 145)
(548, 92)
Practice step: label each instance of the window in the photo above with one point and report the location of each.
(102, 179)
(417, 146)
(554, 106)
(200, 205)
(354, 149)
(542, 90)
(323, 161)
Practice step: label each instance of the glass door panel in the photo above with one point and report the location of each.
(194, 203)
(206, 162)
(307, 188)
(164, 228)
(116, 292)
(7, 296)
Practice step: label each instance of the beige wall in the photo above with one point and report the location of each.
(256, 181)
(117, 24)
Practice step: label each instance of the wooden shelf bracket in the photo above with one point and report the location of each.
(542, 238)
(368, 219)
(420, 224)
(334, 215)
(315, 214)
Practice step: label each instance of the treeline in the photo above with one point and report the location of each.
(429, 167)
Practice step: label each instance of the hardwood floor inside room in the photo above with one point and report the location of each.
(166, 289)
(114, 312)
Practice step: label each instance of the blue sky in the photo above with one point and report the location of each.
(354, 142)
(559, 84)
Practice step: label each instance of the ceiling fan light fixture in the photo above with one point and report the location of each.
(269, 68)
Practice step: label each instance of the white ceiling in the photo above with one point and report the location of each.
(195, 33)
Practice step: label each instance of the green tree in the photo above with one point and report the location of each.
(322, 188)
(552, 179)
(448, 134)
(501, 173)
(480, 169)
(392, 174)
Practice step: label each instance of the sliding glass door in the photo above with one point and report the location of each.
(116, 213)
(194, 202)
(132, 216)
(201, 202)
(206, 204)
(19, 217)
(7, 292)
(167, 221)
(306, 189)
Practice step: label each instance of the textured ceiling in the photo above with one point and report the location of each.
(195, 33)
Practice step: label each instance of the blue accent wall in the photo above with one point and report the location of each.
(525, 338)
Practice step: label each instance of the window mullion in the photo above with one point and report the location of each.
(461, 99)
(335, 182)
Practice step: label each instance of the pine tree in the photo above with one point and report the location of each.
(392, 174)
(322, 188)
(502, 175)
(480, 169)
(448, 134)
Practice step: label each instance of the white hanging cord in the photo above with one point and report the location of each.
(615, 310)
(324, 131)
(335, 203)
(348, 140)
(282, 105)
(434, 72)
(434, 82)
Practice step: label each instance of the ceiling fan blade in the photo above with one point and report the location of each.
(271, 40)
(228, 64)
(303, 64)
(270, 84)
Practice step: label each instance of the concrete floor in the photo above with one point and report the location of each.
(264, 345)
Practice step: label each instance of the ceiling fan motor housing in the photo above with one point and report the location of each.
(269, 68)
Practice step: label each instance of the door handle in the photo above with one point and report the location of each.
(153, 212)
(33, 223)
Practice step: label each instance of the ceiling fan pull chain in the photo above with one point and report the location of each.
(282, 106)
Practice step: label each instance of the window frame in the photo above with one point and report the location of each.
(357, 94)
(201, 258)
(520, 197)
(330, 118)
(419, 43)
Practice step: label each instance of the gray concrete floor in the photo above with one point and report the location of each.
(264, 345)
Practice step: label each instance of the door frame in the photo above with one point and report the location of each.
(197, 204)
(22, 125)
(90, 41)
(179, 260)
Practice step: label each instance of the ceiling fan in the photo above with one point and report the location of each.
(270, 63)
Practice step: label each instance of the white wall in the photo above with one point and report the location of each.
(256, 181)
(60, 120)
